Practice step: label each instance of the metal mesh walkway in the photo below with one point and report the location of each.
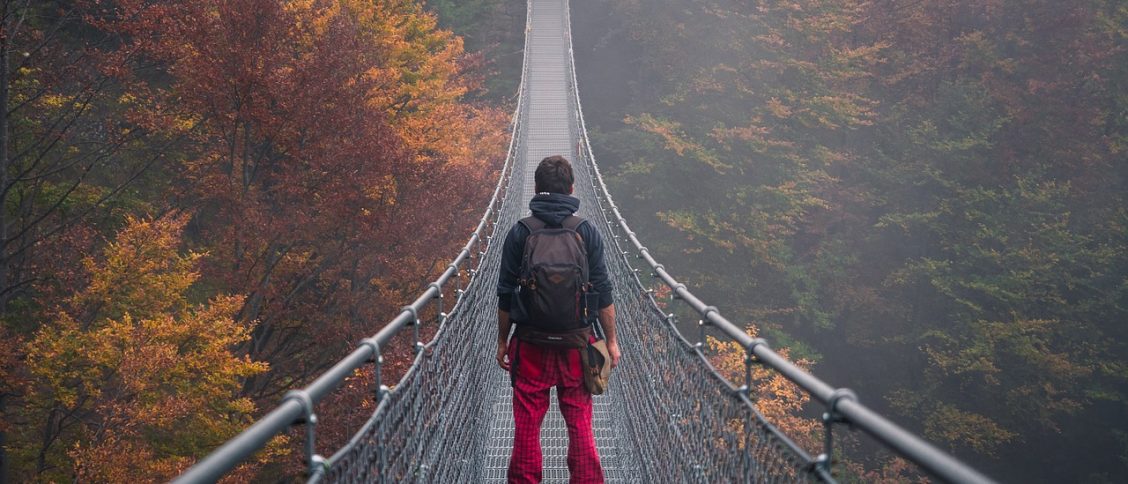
(550, 131)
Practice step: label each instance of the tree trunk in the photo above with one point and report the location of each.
(5, 47)
(5, 54)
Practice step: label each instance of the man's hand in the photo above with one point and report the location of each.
(502, 357)
(613, 351)
(502, 338)
(607, 317)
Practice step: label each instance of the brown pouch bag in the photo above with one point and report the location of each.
(597, 366)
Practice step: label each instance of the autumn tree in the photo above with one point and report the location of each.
(326, 150)
(782, 404)
(71, 161)
(134, 379)
(779, 400)
(333, 152)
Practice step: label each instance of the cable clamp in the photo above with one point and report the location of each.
(371, 343)
(320, 464)
(838, 395)
(751, 348)
(414, 313)
(707, 310)
(303, 399)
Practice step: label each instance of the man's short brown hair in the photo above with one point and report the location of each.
(554, 175)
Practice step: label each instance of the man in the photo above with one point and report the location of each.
(535, 368)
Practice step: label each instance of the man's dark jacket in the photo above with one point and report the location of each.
(552, 208)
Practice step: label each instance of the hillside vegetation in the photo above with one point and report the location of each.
(204, 203)
(927, 198)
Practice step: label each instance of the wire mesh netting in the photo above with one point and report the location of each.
(667, 416)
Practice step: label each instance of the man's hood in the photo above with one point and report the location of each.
(553, 208)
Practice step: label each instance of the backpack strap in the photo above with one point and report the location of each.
(532, 223)
(572, 222)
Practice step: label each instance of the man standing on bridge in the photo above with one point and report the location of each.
(550, 304)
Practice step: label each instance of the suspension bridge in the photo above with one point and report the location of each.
(668, 415)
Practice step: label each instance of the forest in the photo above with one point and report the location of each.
(925, 199)
(205, 203)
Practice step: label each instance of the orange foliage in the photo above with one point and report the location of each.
(777, 398)
(336, 161)
(134, 379)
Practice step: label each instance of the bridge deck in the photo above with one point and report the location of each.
(550, 131)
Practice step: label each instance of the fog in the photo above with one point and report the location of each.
(926, 199)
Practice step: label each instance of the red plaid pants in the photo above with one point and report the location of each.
(537, 369)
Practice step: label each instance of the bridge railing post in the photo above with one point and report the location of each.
(472, 268)
(416, 344)
(750, 359)
(457, 266)
(701, 324)
(832, 416)
(378, 367)
(315, 463)
(441, 316)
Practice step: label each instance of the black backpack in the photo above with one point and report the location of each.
(553, 279)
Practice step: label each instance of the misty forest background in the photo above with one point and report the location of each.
(208, 202)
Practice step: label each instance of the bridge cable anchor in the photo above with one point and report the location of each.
(316, 463)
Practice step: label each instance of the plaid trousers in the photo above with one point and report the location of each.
(536, 370)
